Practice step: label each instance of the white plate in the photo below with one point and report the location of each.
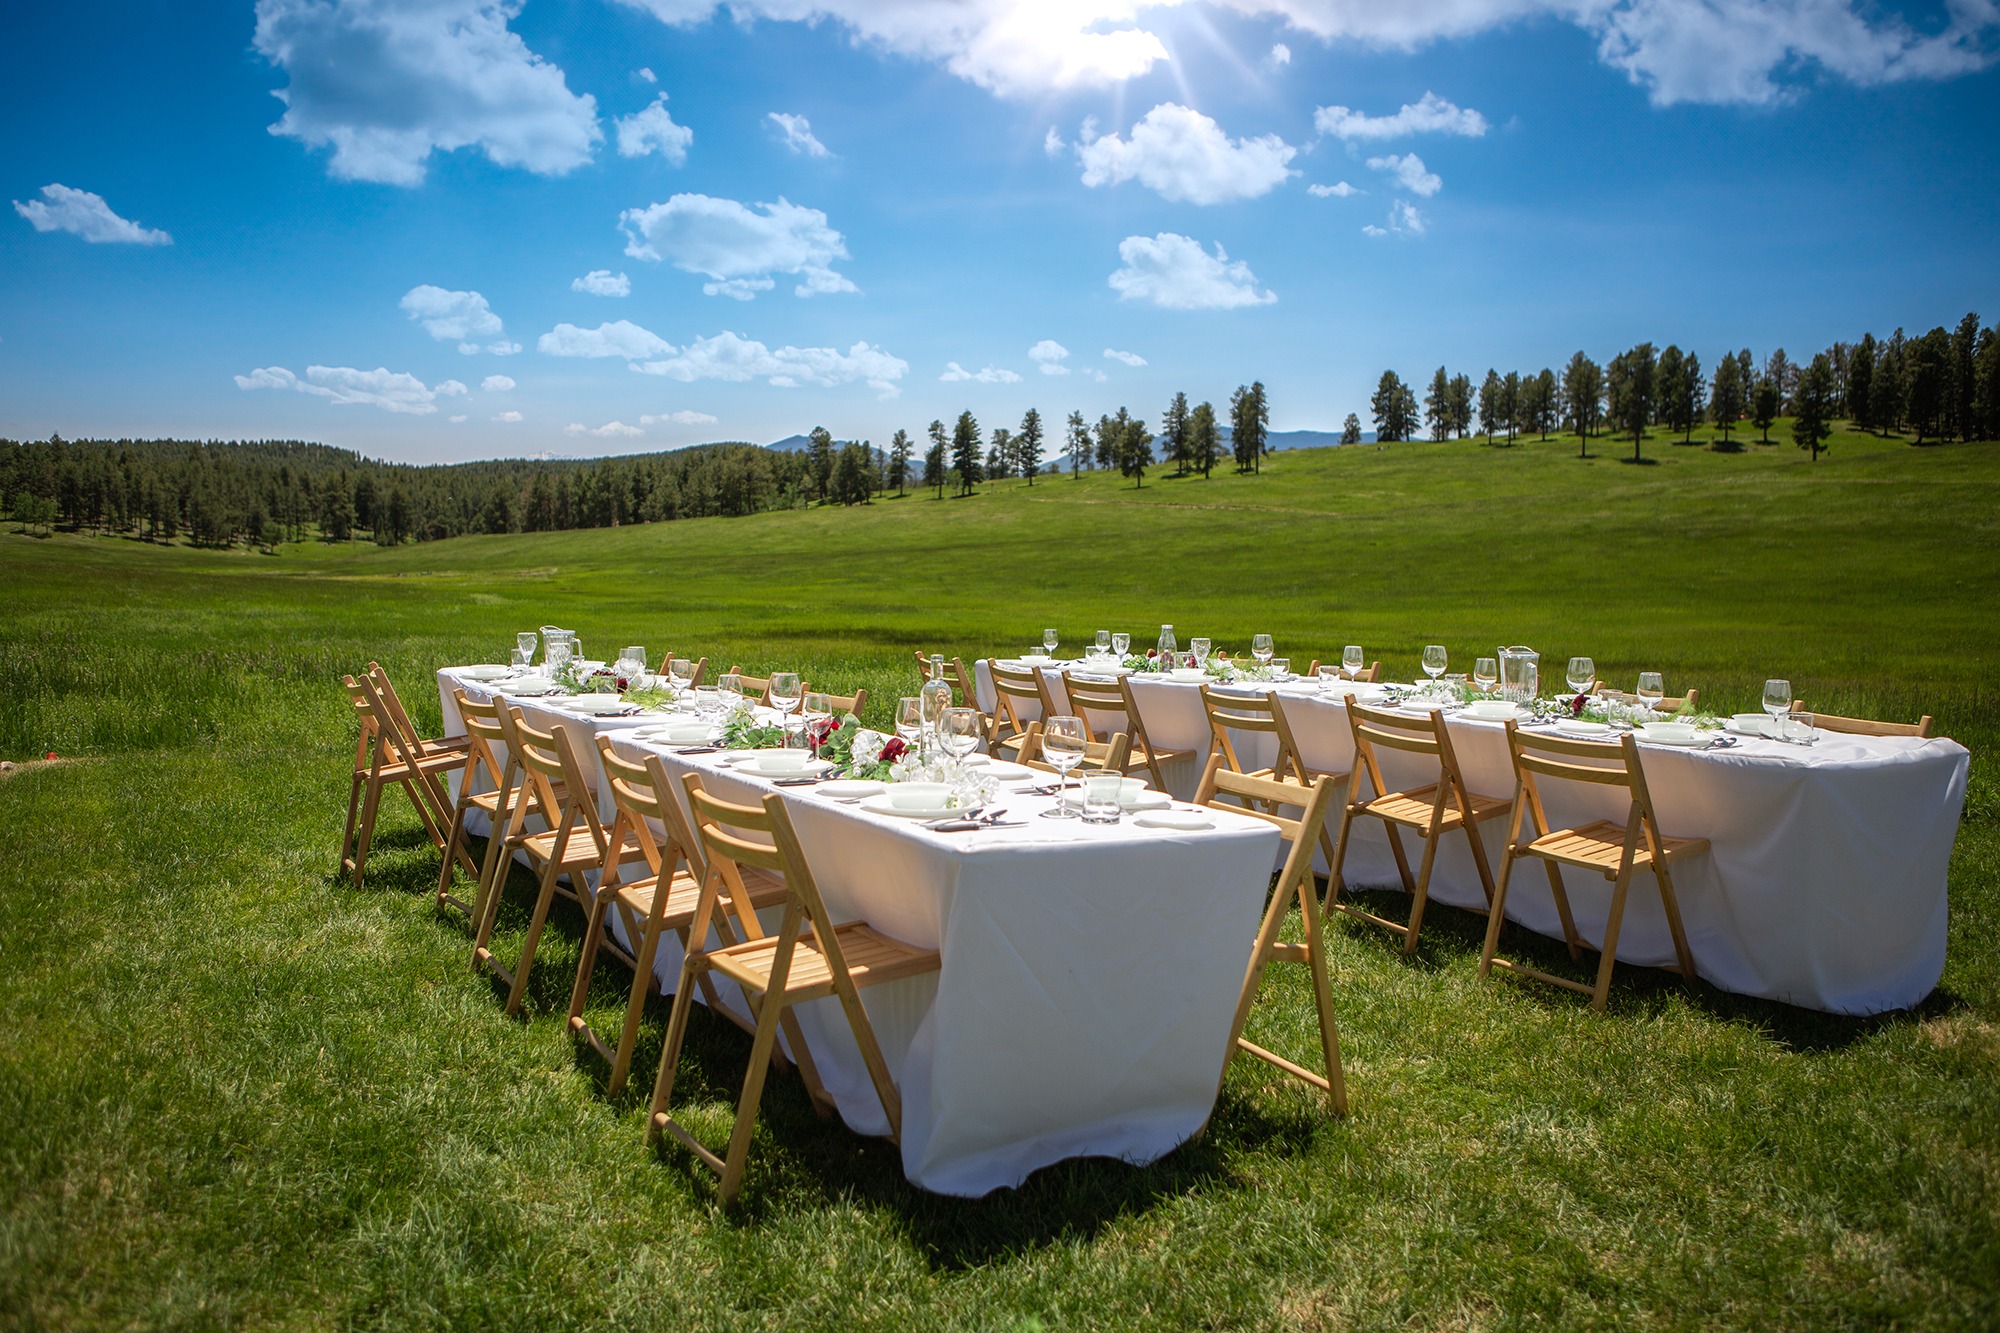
(1490, 712)
(846, 790)
(1692, 742)
(1186, 675)
(530, 685)
(685, 733)
(1761, 727)
(1002, 771)
(485, 671)
(760, 763)
(1584, 731)
(1421, 705)
(1145, 800)
(881, 805)
(591, 705)
(1186, 821)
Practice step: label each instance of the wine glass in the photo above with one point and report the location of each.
(525, 642)
(680, 674)
(1049, 641)
(784, 693)
(1777, 702)
(1121, 644)
(1200, 648)
(910, 719)
(817, 706)
(729, 690)
(1434, 661)
(1260, 648)
(959, 731)
(1651, 690)
(1063, 741)
(1485, 673)
(1353, 661)
(1582, 671)
(1103, 641)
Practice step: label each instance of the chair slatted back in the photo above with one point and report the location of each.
(550, 757)
(700, 668)
(1111, 755)
(1426, 735)
(1862, 726)
(846, 703)
(1014, 687)
(365, 744)
(760, 686)
(1258, 714)
(639, 803)
(482, 730)
(1114, 697)
(392, 710)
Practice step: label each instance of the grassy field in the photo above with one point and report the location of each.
(235, 1092)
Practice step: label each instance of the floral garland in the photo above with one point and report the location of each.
(742, 731)
(860, 752)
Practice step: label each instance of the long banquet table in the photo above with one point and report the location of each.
(1824, 885)
(1089, 973)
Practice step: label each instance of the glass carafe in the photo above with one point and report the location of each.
(1169, 647)
(1519, 671)
(932, 700)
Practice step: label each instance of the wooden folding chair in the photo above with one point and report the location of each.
(1669, 703)
(845, 703)
(700, 668)
(759, 686)
(386, 754)
(1090, 699)
(520, 800)
(1369, 675)
(1262, 798)
(1265, 715)
(1013, 689)
(1613, 850)
(809, 958)
(482, 786)
(1862, 726)
(1111, 755)
(1429, 811)
(574, 844)
(663, 899)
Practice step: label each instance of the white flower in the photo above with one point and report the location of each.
(868, 746)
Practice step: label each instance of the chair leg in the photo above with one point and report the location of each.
(635, 1008)
(871, 1055)
(1421, 897)
(449, 861)
(366, 833)
(353, 814)
(1334, 882)
(1496, 913)
(1611, 924)
(670, 1051)
(1561, 895)
(543, 900)
(753, 1092)
(1329, 1029)
(1479, 859)
(594, 927)
(1673, 906)
(1402, 861)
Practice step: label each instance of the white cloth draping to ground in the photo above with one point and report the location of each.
(1087, 981)
(1824, 885)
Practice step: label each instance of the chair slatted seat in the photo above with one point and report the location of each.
(1613, 850)
(663, 898)
(810, 957)
(1090, 698)
(1430, 811)
(1262, 798)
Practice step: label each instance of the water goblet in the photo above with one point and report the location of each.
(817, 706)
(1260, 648)
(1064, 739)
(1777, 702)
(680, 675)
(784, 694)
(1104, 641)
(522, 656)
(525, 641)
(1049, 641)
(910, 719)
(1485, 673)
(1581, 674)
(1434, 661)
(1353, 661)
(1200, 648)
(1651, 690)
(1121, 644)
(729, 689)
(959, 730)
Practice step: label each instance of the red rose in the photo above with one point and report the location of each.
(623, 684)
(1578, 704)
(1152, 653)
(893, 749)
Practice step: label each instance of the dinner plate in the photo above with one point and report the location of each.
(1421, 705)
(530, 685)
(1744, 725)
(1692, 742)
(850, 790)
(881, 805)
(1186, 821)
(684, 733)
(593, 705)
(1187, 675)
(760, 763)
(1584, 731)
(1002, 771)
(484, 671)
(1491, 712)
(1145, 800)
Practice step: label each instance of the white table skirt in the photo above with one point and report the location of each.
(1087, 981)
(1824, 887)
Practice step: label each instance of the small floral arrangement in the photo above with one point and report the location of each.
(864, 754)
(645, 696)
(1150, 662)
(571, 678)
(742, 731)
(970, 785)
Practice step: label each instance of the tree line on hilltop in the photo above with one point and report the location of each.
(1944, 385)
(264, 492)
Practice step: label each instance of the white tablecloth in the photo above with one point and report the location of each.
(1825, 882)
(1088, 977)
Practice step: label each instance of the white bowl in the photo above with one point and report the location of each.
(592, 704)
(1750, 724)
(485, 671)
(1589, 730)
(1490, 710)
(1670, 733)
(687, 733)
(781, 761)
(1187, 674)
(918, 795)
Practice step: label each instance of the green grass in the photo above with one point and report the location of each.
(236, 1092)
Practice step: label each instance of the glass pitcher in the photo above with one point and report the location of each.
(1520, 669)
(932, 700)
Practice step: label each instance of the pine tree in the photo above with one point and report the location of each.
(1000, 455)
(1927, 372)
(1028, 445)
(1885, 388)
(1812, 406)
(819, 461)
(1510, 403)
(934, 459)
(1174, 433)
(899, 460)
(1959, 421)
(1860, 378)
(1350, 430)
(1461, 405)
(1764, 400)
(1390, 406)
(1249, 422)
(1634, 384)
(1437, 406)
(1668, 387)
(1079, 445)
(1135, 452)
(1726, 404)
(1204, 443)
(1489, 404)
(1784, 376)
(965, 453)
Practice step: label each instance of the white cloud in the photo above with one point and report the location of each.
(1050, 355)
(645, 72)
(681, 418)
(84, 214)
(1185, 156)
(1124, 358)
(954, 373)
(1372, 230)
(798, 134)
(1100, 377)
(737, 248)
(1430, 114)
(732, 358)
(1017, 48)
(1410, 173)
(654, 131)
(1052, 143)
(1403, 216)
(390, 390)
(384, 83)
(507, 418)
(1338, 190)
(460, 419)
(601, 282)
(1175, 273)
(497, 383)
(1281, 55)
(618, 338)
(459, 317)
(609, 430)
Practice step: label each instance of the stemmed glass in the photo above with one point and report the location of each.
(1777, 702)
(525, 642)
(1353, 661)
(1103, 641)
(959, 730)
(680, 675)
(1582, 671)
(784, 696)
(1485, 673)
(1652, 690)
(1121, 644)
(1260, 648)
(1063, 741)
(522, 656)
(1200, 649)
(817, 706)
(910, 720)
(1434, 661)
(631, 664)
(729, 691)
(1049, 641)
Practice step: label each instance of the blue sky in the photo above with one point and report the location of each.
(869, 213)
